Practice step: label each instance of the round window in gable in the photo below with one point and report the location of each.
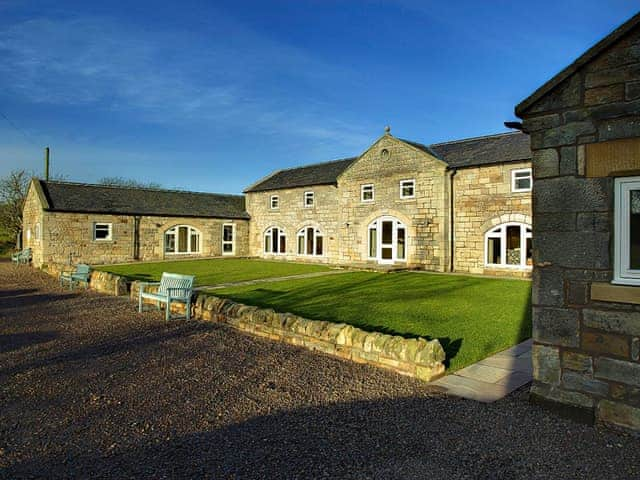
(385, 154)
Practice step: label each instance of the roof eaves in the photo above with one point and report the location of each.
(585, 58)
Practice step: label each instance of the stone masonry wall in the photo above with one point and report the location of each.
(482, 200)
(414, 357)
(32, 216)
(425, 216)
(69, 238)
(293, 216)
(586, 351)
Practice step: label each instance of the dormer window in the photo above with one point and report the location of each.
(275, 202)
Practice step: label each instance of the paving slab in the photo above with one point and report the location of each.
(492, 378)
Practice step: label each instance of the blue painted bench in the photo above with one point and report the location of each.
(23, 256)
(80, 276)
(172, 288)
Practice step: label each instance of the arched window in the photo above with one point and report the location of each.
(387, 240)
(509, 245)
(182, 239)
(275, 241)
(310, 241)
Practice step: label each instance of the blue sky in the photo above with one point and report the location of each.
(210, 96)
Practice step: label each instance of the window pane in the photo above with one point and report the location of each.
(493, 250)
(387, 232)
(182, 239)
(227, 247)
(634, 230)
(513, 245)
(170, 242)
(309, 241)
(283, 244)
(300, 244)
(401, 243)
(529, 258)
(267, 243)
(319, 245)
(227, 233)
(274, 237)
(523, 183)
(195, 241)
(387, 253)
(373, 242)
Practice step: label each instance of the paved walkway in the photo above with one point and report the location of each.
(492, 378)
(268, 280)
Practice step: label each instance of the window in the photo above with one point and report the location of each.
(509, 245)
(387, 240)
(310, 241)
(521, 180)
(275, 202)
(28, 234)
(182, 239)
(366, 193)
(37, 231)
(228, 230)
(626, 264)
(408, 189)
(308, 199)
(275, 241)
(102, 231)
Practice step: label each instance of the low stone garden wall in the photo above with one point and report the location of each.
(100, 281)
(415, 357)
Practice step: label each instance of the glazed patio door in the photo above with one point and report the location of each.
(387, 242)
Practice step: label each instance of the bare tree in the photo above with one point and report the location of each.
(127, 182)
(13, 191)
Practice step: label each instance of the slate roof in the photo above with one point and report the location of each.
(585, 58)
(473, 152)
(88, 198)
(326, 173)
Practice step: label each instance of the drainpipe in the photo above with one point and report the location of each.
(452, 222)
(136, 237)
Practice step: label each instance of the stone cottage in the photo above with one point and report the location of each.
(457, 206)
(585, 136)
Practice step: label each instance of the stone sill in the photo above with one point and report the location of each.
(608, 292)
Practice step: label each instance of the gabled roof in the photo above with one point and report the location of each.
(490, 149)
(326, 173)
(89, 198)
(469, 152)
(585, 58)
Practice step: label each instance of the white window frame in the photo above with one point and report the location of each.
(231, 242)
(622, 273)
(274, 202)
(109, 236)
(309, 196)
(304, 233)
(190, 232)
(514, 178)
(406, 183)
(502, 235)
(281, 235)
(377, 226)
(366, 187)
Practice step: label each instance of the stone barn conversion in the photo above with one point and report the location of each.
(460, 206)
(585, 136)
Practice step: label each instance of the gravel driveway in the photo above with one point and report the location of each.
(89, 388)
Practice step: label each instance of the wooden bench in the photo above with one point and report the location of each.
(80, 276)
(172, 288)
(23, 256)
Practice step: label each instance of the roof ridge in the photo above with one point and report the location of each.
(470, 139)
(317, 164)
(149, 189)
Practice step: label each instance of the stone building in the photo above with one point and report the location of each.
(585, 136)
(79, 223)
(462, 205)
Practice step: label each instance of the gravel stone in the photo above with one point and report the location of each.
(89, 388)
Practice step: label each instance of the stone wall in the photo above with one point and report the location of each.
(33, 226)
(385, 164)
(586, 330)
(482, 200)
(68, 238)
(292, 216)
(417, 358)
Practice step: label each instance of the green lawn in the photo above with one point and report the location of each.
(213, 271)
(472, 317)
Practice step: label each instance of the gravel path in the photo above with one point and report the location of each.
(89, 388)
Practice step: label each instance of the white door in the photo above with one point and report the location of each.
(387, 240)
(387, 235)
